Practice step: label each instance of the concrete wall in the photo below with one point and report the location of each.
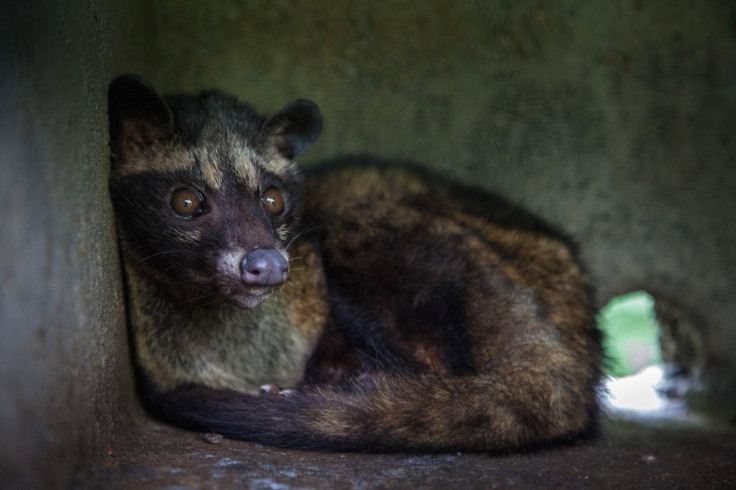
(65, 377)
(614, 120)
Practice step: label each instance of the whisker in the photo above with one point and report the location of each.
(163, 253)
(302, 232)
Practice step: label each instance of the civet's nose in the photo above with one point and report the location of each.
(264, 267)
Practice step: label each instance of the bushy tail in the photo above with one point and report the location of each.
(389, 413)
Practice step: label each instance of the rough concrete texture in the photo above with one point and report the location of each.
(612, 119)
(631, 455)
(64, 365)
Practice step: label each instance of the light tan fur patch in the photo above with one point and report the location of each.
(167, 159)
(245, 164)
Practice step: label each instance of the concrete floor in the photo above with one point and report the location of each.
(630, 454)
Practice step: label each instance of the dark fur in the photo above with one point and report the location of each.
(418, 314)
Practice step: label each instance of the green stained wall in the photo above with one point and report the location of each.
(614, 120)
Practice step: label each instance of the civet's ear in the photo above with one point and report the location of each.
(293, 129)
(138, 118)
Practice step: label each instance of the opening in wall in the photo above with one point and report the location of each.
(655, 355)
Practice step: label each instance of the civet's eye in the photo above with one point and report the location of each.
(187, 203)
(273, 202)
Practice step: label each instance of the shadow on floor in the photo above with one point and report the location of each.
(630, 454)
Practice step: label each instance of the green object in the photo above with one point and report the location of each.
(631, 333)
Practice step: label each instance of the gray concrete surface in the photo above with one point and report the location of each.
(63, 356)
(631, 454)
(614, 120)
